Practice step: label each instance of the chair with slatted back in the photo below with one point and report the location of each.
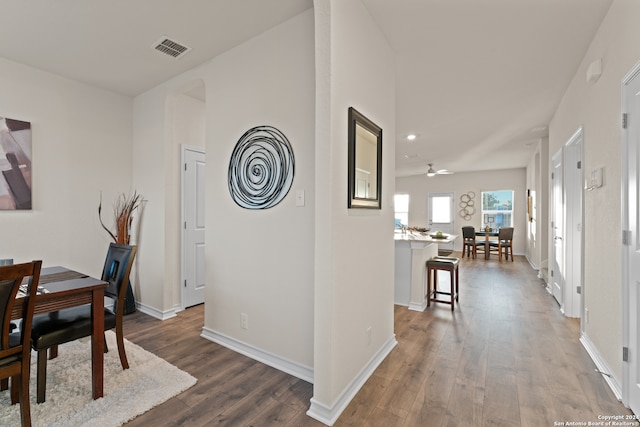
(503, 244)
(15, 351)
(53, 329)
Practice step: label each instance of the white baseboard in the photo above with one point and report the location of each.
(329, 414)
(418, 307)
(285, 365)
(602, 366)
(153, 312)
(531, 263)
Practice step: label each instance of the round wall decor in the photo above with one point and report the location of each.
(261, 168)
(467, 205)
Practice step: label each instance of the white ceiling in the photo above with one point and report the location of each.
(477, 80)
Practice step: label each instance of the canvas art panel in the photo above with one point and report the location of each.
(15, 164)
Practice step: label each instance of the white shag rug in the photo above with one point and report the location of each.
(128, 393)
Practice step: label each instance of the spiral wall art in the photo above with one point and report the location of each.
(261, 168)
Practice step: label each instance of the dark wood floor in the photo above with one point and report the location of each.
(505, 357)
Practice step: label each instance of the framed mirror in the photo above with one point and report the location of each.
(365, 162)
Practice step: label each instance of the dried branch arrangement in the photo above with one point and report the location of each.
(123, 208)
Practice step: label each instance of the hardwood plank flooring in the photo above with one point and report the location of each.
(505, 357)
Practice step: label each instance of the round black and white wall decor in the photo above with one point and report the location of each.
(261, 168)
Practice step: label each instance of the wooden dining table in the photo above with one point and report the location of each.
(61, 288)
(486, 234)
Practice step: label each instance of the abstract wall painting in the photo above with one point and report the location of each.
(15, 164)
(261, 168)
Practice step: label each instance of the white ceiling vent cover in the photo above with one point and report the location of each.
(171, 47)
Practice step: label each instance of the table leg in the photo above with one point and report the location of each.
(486, 246)
(97, 343)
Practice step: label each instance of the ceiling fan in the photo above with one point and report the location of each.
(432, 172)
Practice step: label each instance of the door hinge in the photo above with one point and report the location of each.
(551, 273)
(185, 225)
(626, 237)
(625, 354)
(578, 289)
(552, 175)
(185, 283)
(185, 167)
(580, 165)
(624, 120)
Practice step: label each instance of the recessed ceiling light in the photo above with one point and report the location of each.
(411, 137)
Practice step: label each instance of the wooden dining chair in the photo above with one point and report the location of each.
(469, 241)
(52, 329)
(15, 351)
(503, 244)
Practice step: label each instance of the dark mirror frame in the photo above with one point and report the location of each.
(356, 118)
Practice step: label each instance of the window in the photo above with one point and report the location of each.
(497, 208)
(401, 207)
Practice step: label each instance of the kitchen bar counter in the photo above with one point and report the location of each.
(413, 250)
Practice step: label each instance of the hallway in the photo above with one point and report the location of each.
(505, 357)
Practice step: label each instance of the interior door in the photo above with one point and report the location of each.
(193, 226)
(631, 246)
(557, 227)
(441, 215)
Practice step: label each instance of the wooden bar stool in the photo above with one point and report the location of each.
(449, 264)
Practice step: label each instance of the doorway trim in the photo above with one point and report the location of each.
(573, 224)
(452, 225)
(557, 213)
(183, 219)
(625, 277)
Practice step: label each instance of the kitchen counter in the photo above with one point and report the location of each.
(413, 250)
(416, 236)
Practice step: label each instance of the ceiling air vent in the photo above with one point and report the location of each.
(171, 47)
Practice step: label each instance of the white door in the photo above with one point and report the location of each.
(573, 185)
(557, 228)
(631, 243)
(193, 200)
(441, 215)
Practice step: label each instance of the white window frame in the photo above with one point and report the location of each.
(399, 205)
(486, 221)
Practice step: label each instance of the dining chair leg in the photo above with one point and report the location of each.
(120, 339)
(15, 384)
(25, 408)
(53, 352)
(41, 374)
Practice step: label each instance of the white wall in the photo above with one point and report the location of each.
(418, 187)
(354, 251)
(259, 262)
(81, 141)
(597, 107)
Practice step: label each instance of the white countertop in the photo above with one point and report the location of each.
(416, 236)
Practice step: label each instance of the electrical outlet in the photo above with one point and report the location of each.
(586, 315)
(244, 320)
(369, 336)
